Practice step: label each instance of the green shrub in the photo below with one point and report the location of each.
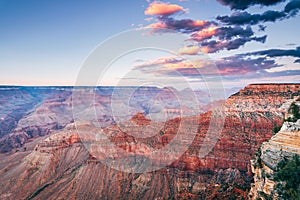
(294, 109)
(258, 161)
(276, 129)
(288, 176)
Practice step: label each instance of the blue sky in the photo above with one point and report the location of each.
(46, 42)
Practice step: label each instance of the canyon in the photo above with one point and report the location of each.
(45, 152)
(30, 112)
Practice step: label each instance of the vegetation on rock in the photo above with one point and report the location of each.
(288, 178)
(294, 110)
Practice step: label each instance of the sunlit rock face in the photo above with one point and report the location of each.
(250, 116)
(60, 166)
(284, 145)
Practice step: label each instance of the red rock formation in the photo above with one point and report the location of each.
(62, 169)
(140, 119)
(31, 112)
(250, 116)
(55, 170)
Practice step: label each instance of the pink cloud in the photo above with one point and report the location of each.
(192, 50)
(170, 66)
(159, 25)
(205, 34)
(161, 8)
(158, 62)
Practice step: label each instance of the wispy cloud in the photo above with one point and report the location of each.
(156, 64)
(174, 66)
(277, 53)
(240, 65)
(297, 61)
(233, 69)
(261, 62)
(189, 50)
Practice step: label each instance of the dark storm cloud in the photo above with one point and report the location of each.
(245, 18)
(262, 27)
(278, 53)
(244, 4)
(227, 33)
(215, 46)
(223, 33)
(184, 25)
(230, 38)
(292, 7)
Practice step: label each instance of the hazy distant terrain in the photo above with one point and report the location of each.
(27, 112)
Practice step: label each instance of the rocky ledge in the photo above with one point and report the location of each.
(283, 146)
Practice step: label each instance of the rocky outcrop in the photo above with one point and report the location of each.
(282, 146)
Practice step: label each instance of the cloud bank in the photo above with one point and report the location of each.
(245, 18)
(228, 32)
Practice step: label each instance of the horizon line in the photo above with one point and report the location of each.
(8, 85)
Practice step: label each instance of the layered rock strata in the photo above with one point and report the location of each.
(284, 145)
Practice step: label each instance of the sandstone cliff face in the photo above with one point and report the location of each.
(282, 146)
(250, 116)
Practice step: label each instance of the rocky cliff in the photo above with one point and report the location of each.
(282, 147)
(63, 168)
(250, 116)
(60, 167)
